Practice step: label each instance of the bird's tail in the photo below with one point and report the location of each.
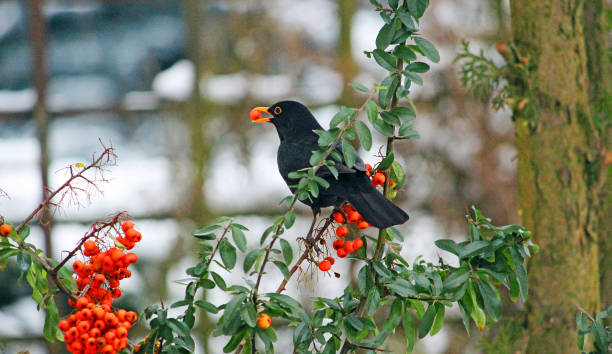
(372, 205)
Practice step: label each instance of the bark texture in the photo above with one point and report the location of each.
(557, 175)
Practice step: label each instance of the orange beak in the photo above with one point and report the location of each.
(256, 117)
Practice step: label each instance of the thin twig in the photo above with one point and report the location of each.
(585, 312)
(303, 257)
(108, 153)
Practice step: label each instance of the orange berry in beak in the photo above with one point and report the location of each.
(254, 114)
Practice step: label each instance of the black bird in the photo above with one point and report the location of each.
(295, 124)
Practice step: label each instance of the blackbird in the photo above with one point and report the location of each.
(295, 124)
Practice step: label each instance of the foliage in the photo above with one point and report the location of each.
(416, 295)
(602, 334)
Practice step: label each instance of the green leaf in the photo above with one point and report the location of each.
(409, 331)
(228, 254)
(427, 320)
(345, 114)
(413, 78)
(402, 287)
(395, 316)
(283, 268)
(397, 174)
(383, 128)
(50, 329)
(359, 87)
(386, 162)
(456, 278)
(389, 118)
(448, 245)
(372, 111)
(249, 315)
(418, 67)
(317, 157)
(24, 233)
(287, 250)
(349, 153)
(239, 238)
(289, 218)
(404, 113)
(407, 20)
(404, 53)
(384, 59)
(385, 36)
(354, 322)
(386, 96)
(519, 269)
(472, 248)
(417, 7)
(491, 298)
(250, 259)
(207, 306)
(428, 49)
(290, 303)
(365, 137)
(372, 301)
(219, 281)
(439, 319)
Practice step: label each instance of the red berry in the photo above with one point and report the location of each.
(324, 265)
(82, 302)
(349, 247)
(357, 243)
(347, 208)
(338, 244)
(331, 260)
(5, 230)
(341, 231)
(254, 114)
(353, 216)
(91, 249)
(63, 325)
(78, 266)
(378, 179)
(341, 252)
(363, 225)
(368, 169)
(339, 217)
(128, 224)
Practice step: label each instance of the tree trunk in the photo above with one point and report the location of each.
(557, 171)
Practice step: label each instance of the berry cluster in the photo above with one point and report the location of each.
(95, 327)
(344, 248)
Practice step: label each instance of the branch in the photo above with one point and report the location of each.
(108, 154)
(304, 255)
(212, 255)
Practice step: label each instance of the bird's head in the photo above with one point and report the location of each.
(289, 118)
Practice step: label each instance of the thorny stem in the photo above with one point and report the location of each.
(380, 245)
(108, 153)
(303, 257)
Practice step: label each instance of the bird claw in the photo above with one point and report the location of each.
(311, 244)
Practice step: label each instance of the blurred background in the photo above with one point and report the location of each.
(169, 84)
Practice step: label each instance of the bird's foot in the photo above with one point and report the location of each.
(311, 244)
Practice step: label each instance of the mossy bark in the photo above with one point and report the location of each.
(556, 174)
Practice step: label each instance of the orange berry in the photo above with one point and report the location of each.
(349, 247)
(131, 316)
(83, 326)
(353, 216)
(339, 217)
(363, 225)
(110, 319)
(347, 208)
(368, 169)
(63, 325)
(99, 324)
(131, 258)
(94, 333)
(378, 179)
(338, 244)
(341, 231)
(82, 302)
(137, 347)
(128, 224)
(324, 265)
(130, 234)
(357, 243)
(99, 279)
(100, 341)
(331, 260)
(90, 343)
(116, 293)
(264, 320)
(108, 349)
(91, 249)
(86, 314)
(121, 314)
(5, 230)
(341, 252)
(78, 266)
(254, 115)
(122, 332)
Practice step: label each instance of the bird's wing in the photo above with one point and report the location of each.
(341, 167)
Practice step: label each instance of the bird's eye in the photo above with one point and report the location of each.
(277, 110)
